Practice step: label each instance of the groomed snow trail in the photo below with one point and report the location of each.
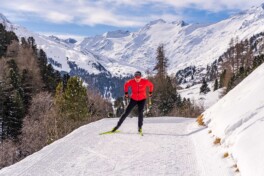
(165, 149)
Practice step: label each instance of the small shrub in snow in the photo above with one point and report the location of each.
(236, 168)
(200, 120)
(210, 131)
(225, 155)
(217, 141)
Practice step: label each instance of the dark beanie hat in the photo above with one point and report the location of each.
(137, 74)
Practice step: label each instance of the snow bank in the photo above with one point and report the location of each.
(238, 119)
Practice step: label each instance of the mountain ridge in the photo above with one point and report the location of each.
(185, 45)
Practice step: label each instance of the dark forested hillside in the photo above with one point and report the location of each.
(38, 105)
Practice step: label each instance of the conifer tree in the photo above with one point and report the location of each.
(73, 101)
(179, 101)
(15, 114)
(59, 99)
(165, 91)
(6, 38)
(2, 96)
(168, 96)
(50, 77)
(204, 88)
(26, 83)
(222, 79)
(13, 105)
(65, 79)
(32, 44)
(216, 85)
(24, 42)
(162, 63)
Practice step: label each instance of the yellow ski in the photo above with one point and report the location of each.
(109, 132)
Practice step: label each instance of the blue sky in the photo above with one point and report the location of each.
(78, 18)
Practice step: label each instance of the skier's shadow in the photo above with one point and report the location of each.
(171, 134)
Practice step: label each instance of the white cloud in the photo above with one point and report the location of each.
(113, 12)
(79, 12)
(58, 17)
(211, 5)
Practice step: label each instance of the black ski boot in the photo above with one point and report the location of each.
(140, 132)
(114, 129)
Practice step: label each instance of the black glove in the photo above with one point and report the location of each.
(126, 95)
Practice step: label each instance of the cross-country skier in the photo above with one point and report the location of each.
(138, 97)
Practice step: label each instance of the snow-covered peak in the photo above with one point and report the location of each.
(161, 22)
(70, 41)
(258, 8)
(5, 21)
(262, 5)
(158, 21)
(180, 23)
(53, 37)
(255, 10)
(116, 34)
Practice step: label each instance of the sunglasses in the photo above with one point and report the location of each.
(138, 75)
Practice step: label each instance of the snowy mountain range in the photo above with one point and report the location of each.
(119, 53)
(185, 44)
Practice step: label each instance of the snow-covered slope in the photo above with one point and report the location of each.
(200, 99)
(185, 44)
(238, 119)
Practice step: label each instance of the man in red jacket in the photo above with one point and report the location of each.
(138, 97)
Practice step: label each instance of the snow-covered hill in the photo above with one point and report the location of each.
(238, 119)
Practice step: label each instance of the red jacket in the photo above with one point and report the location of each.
(138, 88)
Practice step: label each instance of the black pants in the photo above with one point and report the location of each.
(129, 108)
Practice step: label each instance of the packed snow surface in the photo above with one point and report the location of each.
(168, 147)
(238, 119)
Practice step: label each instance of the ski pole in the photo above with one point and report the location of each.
(127, 103)
(150, 102)
(149, 105)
